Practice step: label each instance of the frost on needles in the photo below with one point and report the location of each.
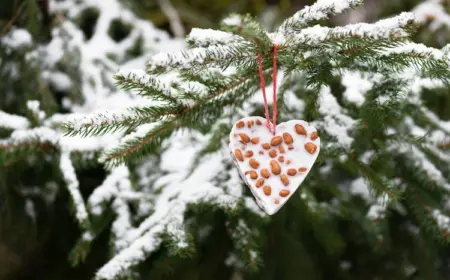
(172, 137)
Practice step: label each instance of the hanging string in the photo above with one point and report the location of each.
(263, 90)
(274, 82)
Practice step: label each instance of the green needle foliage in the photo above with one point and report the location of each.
(166, 196)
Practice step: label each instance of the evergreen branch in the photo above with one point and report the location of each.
(396, 28)
(248, 28)
(431, 62)
(192, 90)
(10, 153)
(25, 138)
(213, 145)
(420, 203)
(376, 183)
(426, 167)
(220, 56)
(212, 77)
(73, 186)
(145, 85)
(320, 10)
(208, 37)
(135, 147)
(11, 121)
(103, 123)
(155, 136)
(444, 145)
(442, 222)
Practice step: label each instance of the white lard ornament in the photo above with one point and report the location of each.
(273, 166)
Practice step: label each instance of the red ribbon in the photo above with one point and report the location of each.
(263, 89)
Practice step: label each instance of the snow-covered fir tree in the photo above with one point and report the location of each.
(129, 127)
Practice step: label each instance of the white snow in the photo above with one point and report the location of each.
(415, 48)
(69, 175)
(386, 28)
(277, 38)
(376, 211)
(33, 106)
(206, 37)
(57, 79)
(30, 209)
(17, 38)
(334, 122)
(378, 205)
(13, 121)
(195, 87)
(139, 77)
(432, 11)
(443, 221)
(360, 187)
(197, 56)
(233, 20)
(357, 84)
(318, 11)
(422, 162)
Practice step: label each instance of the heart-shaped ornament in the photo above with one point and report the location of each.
(273, 166)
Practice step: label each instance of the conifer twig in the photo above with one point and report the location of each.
(162, 130)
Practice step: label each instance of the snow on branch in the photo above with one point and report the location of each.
(11, 121)
(233, 20)
(396, 27)
(335, 122)
(378, 205)
(320, 10)
(212, 55)
(417, 50)
(23, 136)
(432, 12)
(144, 84)
(176, 191)
(17, 38)
(206, 37)
(424, 164)
(108, 189)
(73, 186)
(442, 221)
(103, 122)
(131, 256)
(122, 223)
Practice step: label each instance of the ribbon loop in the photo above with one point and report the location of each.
(272, 128)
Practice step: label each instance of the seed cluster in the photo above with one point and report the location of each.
(277, 152)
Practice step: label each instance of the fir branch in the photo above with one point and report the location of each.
(248, 28)
(135, 147)
(25, 142)
(213, 145)
(377, 184)
(431, 62)
(213, 56)
(208, 37)
(11, 121)
(396, 28)
(425, 212)
(320, 10)
(73, 186)
(103, 123)
(145, 85)
(444, 146)
(14, 152)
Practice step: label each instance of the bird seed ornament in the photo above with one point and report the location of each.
(273, 166)
(273, 160)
